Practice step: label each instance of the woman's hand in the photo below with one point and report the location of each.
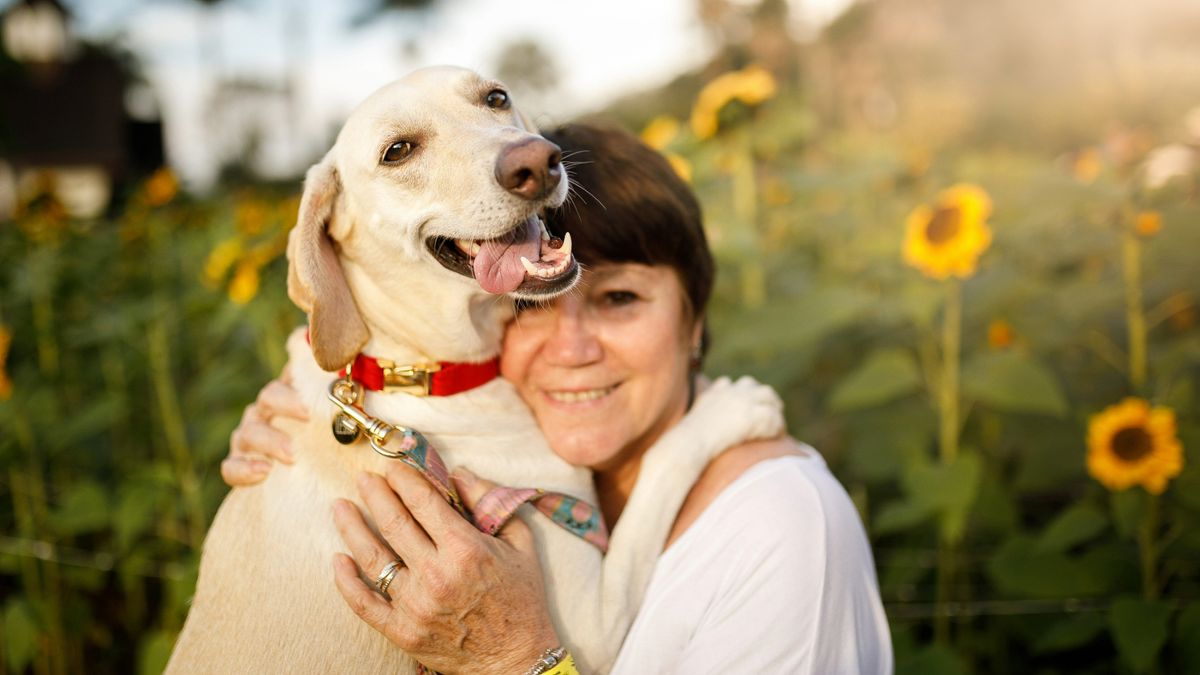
(255, 443)
(462, 601)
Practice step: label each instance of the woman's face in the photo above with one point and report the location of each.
(605, 367)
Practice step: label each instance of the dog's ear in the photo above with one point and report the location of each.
(316, 283)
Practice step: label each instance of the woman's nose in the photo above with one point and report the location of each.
(573, 342)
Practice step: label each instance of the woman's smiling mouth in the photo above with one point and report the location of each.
(579, 395)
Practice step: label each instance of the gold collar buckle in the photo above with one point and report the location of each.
(416, 380)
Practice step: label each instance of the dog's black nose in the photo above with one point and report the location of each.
(529, 169)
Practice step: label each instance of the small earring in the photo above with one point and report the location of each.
(696, 353)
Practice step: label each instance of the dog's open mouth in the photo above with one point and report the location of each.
(525, 261)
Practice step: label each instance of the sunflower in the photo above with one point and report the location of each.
(751, 86)
(947, 238)
(1148, 223)
(161, 187)
(1131, 443)
(1000, 334)
(660, 131)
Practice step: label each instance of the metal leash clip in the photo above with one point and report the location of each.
(351, 421)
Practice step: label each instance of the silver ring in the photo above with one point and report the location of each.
(387, 575)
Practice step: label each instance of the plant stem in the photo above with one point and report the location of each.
(745, 207)
(948, 388)
(176, 434)
(948, 431)
(1148, 547)
(1135, 315)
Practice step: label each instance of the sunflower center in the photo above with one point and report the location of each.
(944, 225)
(1132, 444)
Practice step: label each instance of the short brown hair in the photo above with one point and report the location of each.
(629, 205)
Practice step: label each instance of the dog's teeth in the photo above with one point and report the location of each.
(565, 249)
(468, 246)
(545, 232)
(529, 267)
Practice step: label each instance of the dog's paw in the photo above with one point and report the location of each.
(729, 412)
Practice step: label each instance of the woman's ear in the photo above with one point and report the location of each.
(698, 345)
(316, 284)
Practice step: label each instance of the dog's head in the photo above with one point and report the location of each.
(437, 172)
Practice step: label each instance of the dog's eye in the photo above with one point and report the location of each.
(398, 152)
(497, 99)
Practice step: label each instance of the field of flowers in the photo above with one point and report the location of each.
(996, 349)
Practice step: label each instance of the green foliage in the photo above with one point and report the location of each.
(133, 353)
(1011, 382)
(854, 339)
(1139, 627)
(885, 375)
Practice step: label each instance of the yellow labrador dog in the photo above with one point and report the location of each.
(412, 230)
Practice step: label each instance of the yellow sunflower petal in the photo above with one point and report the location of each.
(1148, 223)
(1130, 443)
(244, 284)
(660, 131)
(947, 238)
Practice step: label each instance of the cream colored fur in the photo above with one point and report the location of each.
(265, 600)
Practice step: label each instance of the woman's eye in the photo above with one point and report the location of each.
(497, 99)
(398, 152)
(619, 298)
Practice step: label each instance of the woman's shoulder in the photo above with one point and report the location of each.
(738, 463)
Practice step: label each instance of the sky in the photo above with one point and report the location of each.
(602, 51)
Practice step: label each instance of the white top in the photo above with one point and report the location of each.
(775, 576)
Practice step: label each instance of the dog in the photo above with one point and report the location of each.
(409, 246)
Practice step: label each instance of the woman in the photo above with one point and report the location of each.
(767, 567)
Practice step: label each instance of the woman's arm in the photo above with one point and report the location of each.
(462, 601)
(254, 443)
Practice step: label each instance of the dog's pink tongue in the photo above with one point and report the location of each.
(498, 267)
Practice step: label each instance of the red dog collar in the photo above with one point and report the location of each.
(422, 379)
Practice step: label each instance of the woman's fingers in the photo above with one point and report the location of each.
(394, 520)
(372, 555)
(363, 600)
(427, 505)
(243, 471)
(472, 488)
(255, 437)
(279, 398)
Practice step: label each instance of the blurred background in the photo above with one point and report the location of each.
(962, 237)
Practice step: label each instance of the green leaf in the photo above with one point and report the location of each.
(945, 490)
(884, 439)
(887, 374)
(1127, 508)
(1074, 631)
(933, 660)
(20, 634)
(95, 418)
(901, 515)
(1139, 629)
(1019, 568)
(1075, 525)
(134, 514)
(1187, 639)
(154, 652)
(1012, 382)
(85, 509)
(951, 488)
